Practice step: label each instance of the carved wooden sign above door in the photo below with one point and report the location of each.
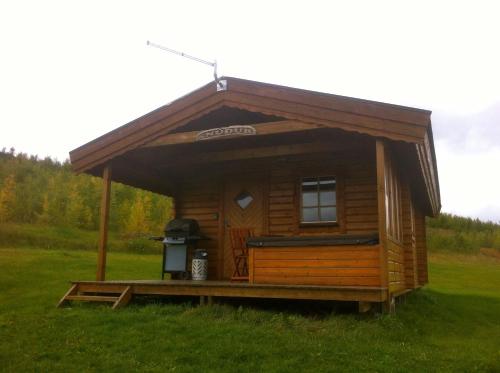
(226, 131)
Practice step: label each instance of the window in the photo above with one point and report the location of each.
(319, 200)
(243, 199)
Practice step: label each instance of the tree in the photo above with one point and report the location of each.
(136, 222)
(43, 217)
(77, 213)
(162, 212)
(8, 199)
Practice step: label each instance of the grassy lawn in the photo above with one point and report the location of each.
(451, 325)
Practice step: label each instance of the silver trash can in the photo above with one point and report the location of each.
(199, 267)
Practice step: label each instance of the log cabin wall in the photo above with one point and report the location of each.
(394, 199)
(421, 246)
(199, 197)
(409, 238)
(395, 258)
(356, 193)
(406, 239)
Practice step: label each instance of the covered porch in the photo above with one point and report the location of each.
(337, 261)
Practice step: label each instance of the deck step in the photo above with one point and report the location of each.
(92, 298)
(75, 293)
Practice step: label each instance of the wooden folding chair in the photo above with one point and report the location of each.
(239, 248)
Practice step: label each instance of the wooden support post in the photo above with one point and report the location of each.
(222, 231)
(210, 300)
(103, 224)
(382, 223)
(203, 300)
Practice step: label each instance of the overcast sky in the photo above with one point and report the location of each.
(73, 70)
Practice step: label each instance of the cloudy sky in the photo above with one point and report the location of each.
(73, 70)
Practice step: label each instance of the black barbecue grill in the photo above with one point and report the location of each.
(180, 236)
(179, 231)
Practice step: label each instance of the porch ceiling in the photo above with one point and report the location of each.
(159, 168)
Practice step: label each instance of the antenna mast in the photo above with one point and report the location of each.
(220, 83)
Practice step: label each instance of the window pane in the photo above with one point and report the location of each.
(309, 199)
(327, 198)
(309, 214)
(310, 181)
(327, 183)
(328, 214)
(243, 199)
(310, 187)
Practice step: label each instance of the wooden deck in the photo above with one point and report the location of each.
(121, 292)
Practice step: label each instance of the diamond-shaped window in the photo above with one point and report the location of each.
(243, 199)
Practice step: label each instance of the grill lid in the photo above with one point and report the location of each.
(182, 227)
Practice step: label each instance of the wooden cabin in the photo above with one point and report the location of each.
(336, 190)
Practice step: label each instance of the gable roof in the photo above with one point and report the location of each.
(372, 118)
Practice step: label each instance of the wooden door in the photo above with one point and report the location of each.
(243, 208)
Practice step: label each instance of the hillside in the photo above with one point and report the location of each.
(459, 234)
(47, 193)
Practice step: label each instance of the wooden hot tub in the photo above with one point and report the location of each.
(342, 260)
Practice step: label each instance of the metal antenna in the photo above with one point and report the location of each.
(213, 64)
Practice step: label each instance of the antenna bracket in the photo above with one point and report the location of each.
(221, 85)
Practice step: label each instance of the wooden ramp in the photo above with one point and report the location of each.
(120, 298)
(120, 292)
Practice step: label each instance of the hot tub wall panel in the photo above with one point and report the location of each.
(347, 265)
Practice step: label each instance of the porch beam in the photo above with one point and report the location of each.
(266, 128)
(103, 223)
(257, 152)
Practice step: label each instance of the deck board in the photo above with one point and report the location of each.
(235, 289)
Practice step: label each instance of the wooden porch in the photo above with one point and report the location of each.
(120, 293)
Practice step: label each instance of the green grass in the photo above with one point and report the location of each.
(451, 325)
(66, 237)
